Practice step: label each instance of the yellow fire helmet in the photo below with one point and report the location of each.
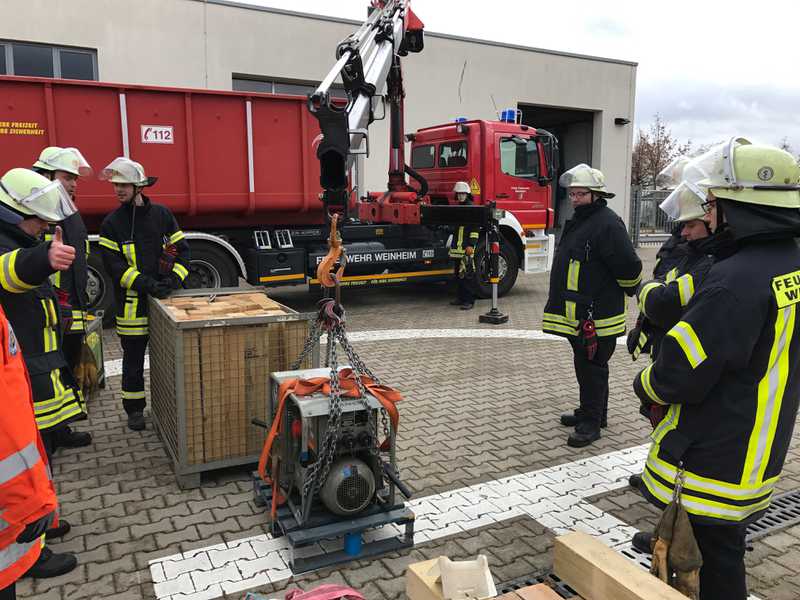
(29, 194)
(69, 160)
(584, 176)
(125, 170)
(741, 171)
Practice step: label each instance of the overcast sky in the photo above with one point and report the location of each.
(710, 68)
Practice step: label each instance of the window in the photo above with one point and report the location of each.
(40, 60)
(453, 154)
(76, 65)
(519, 157)
(422, 157)
(32, 60)
(269, 86)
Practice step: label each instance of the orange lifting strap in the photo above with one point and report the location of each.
(387, 396)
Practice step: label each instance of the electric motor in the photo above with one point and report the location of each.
(349, 487)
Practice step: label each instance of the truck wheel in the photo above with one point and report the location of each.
(211, 267)
(509, 269)
(100, 289)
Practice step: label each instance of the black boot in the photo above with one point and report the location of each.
(136, 421)
(66, 438)
(571, 419)
(641, 541)
(456, 302)
(51, 564)
(585, 433)
(58, 532)
(635, 481)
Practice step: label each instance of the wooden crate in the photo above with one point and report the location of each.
(211, 354)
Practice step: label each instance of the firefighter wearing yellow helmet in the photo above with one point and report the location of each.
(462, 251)
(595, 266)
(67, 165)
(729, 370)
(146, 254)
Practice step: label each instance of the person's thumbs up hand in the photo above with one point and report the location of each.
(60, 255)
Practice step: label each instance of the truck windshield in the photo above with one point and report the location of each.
(422, 157)
(518, 159)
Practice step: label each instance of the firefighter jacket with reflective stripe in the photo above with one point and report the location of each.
(662, 302)
(594, 267)
(26, 490)
(730, 373)
(75, 279)
(132, 240)
(464, 236)
(31, 306)
(671, 253)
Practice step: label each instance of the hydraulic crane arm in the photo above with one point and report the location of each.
(366, 61)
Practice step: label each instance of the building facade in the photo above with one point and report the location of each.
(587, 102)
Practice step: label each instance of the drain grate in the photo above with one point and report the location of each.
(551, 579)
(782, 513)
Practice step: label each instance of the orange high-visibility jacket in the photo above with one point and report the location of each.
(26, 489)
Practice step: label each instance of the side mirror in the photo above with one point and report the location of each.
(550, 147)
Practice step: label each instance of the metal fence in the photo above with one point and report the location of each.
(648, 224)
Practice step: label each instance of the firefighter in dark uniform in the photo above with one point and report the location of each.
(146, 254)
(67, 165)
(662, 302)
(462, 251)
(729, 371)
(594, 267)
(29, 203)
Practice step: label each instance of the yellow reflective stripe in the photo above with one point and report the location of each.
(48, 324)
(560, 319)
(615, 320)
(110, 244)
(460, 240)
(685, 288)
(131, 307)
(62, 406)
(668, 423)
(610, 330)
(9, 280)
(569, 308)
(176, 237)
(88, 248)
(707, 485)
(573, 274)
(630, 282)
(558, 328)
(128, 277)
(129, 250)
(132, 330)
(474, 235)
(686, 337)
(56, 279)
(648, 386)
(180, 270)
(702, 506)
(771, 389)
(140, 395)
(643, 337)
(671, 275)
(644, 292)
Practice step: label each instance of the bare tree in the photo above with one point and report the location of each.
(653, 150)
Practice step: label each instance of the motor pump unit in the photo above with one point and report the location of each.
(357, 476)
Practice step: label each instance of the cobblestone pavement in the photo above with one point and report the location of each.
(475, 410)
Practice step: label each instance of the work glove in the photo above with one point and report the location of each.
(36, 529)
(469, 250)
(86, 372)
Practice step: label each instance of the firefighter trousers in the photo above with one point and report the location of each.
(463, 291)
(722, 576)
(134, 348)
(592, 378)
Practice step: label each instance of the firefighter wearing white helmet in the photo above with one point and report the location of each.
(462, 251)
(67, 165)
(595, 266)
(729, 370)
(146, 254)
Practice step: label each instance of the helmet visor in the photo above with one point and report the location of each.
(70, 160)
(685, 203)
(50, 203)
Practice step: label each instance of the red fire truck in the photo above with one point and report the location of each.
(251, 180)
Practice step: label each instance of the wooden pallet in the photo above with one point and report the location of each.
(234, 306)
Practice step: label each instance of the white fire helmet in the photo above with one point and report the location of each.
(125, 170)
(584, 176)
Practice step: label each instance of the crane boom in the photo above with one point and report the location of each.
(368, 63)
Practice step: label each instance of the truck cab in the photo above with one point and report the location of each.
(504, 162)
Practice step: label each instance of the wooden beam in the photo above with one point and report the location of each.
(597, 572)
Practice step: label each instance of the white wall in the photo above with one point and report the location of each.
(187, 43)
